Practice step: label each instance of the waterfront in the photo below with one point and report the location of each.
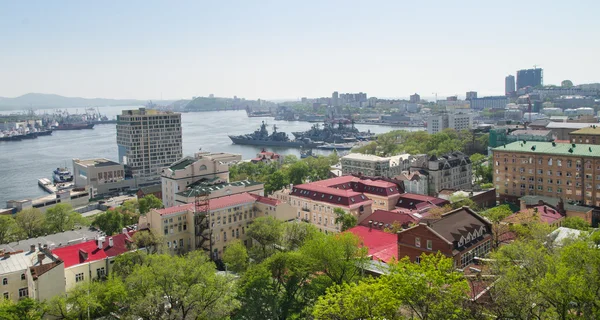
(24, 162)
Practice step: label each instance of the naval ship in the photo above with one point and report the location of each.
(261, 137)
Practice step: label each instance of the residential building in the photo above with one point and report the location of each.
(179, 175)
(213, 224)
(485, 198)
(155, 190)
(562, 130)
(101, 176)
(414, 182)
(565, 102)
(568, 209)
(217, 188)
(530, 78)
(509, 85)
(471, 95)
(558, 170)
(375, 166)
(554, 92)
(589, 135)
(381, 246)
(542, 213)
(418, 204)
(335, 97)
(415, 98)
(460, 234)
(92, 259)
(35, 273)
(267, 157)
(452, 170)
(492, 102)
(148, 141)
(456, 121)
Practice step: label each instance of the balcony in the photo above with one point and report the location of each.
(305, 209)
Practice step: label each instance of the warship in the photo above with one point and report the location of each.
(331, 133)
(261, 137)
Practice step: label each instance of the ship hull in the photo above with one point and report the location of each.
(267, 143)
(74, 126)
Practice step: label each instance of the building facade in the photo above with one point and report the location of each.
(456, 121)
(530, 78)
(415, 98)
(509, 85)
(179, 175)
(471, 95)
(589, 135)
(101, 176)
(448, 171)
(375, 166)
(148, 141)
(494, 102)
(557, 170)
(460, 234)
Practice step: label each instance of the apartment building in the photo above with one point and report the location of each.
(375, 166)
(148, 141)
(589, 135)
(101, 176)
(556, 170)
(452, 170)
(202, 167)
(456, 121)
(213, 225)
(414, 182)
(35, 273)
(460, 234)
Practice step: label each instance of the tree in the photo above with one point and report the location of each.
(8, 229)
(339, 256)
(345, 220)
(477, 160)
(149, 202)
(31, 222)
(431, 289)
(495, 216)
(179, 287)
(266, 231)
(297, 172)
(25, 309)
(61, 217)
(276, 181)
(236, 257)
(111, 221)
(575, 223)
(152, 242)
(369, 299)
(295, 234)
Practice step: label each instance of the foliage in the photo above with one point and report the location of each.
(9, 229)
(152, 242)
(345, 220)
(61, 217)
(495, 216)
(31, 222)
(25, 309)
(575, 223)
(114, 220)
(149, 202)
(295, 234)
(236, 257)
(266, 232)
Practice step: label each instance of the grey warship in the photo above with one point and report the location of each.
(331, 133)
(261, 137)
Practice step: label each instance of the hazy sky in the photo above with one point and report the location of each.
(290, 49)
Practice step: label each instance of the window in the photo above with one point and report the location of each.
(79, 277)
(23, 292)
(181, 242)
(417, 242)
(418, 259)
(22, 276)
(100, 272)
(166, 230)
(6, 295)
(5, 281)
(429, 245)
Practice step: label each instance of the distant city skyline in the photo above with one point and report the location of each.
(285, 51)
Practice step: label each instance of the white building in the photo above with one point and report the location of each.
(148, 141)
(414, 182)
(458, 121)
(375, 166)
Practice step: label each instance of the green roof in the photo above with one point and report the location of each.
(588, 131)
(534, 200)
(561, 149)
(201, 189)
(182, 164)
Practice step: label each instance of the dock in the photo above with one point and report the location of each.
(47, 185)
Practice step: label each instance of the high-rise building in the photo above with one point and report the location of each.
(494, 102)
(529, 78)
(471, 95)
(509, 85)
(415, 98)
(148, 141)
(456, 121)
(335, 99)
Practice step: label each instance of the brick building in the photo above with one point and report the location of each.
(555, 170)
(589, 135)
(460, 234)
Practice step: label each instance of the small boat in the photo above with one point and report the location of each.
(337, 146)
(62, 175)
(306, 153)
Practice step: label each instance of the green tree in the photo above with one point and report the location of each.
(9, 229)
(368, 299)
(149, 202)
(266, 232)
(295, 234)
(31, 222)
(152, 242)
(575, 223)
(236, 257)
(276, 181)
(61, 217)
(345, 220)
(297, 172)
(495, 216)
(111, 221)
(25, 309)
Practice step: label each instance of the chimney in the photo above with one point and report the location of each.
(100, 243)
(370, 224)
(40, 246)
(32, 248)
(380, 225)
(124, 230)
(545, 209)
(6, 254)
(110, 242)
(41, 257)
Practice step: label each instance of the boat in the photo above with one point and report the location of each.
(261, 137)
(62, 175)
(10, 136)
(336, 146)
(74, 126)
(331, 133)
(44, 132)
(307, 153)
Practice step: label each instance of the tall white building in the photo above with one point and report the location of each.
(456, 121)
(148, 141)
(375, 166)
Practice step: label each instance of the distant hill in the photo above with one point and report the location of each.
(49, 101)
(214, 103)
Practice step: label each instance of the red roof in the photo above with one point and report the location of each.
(546, 214)
(216, 203)
(382, 245)
(419, 201)
(76, 254)
(389, 217)
(265, 200)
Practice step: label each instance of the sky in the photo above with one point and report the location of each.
(290, 49)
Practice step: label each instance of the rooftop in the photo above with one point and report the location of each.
(458, 223)
(569, 125)
(535, 200)
(531, 132)
(595, 130)
(88, 251)
(545, 213)
(100, 162)
(53, 240)
(205, 186)
(151, 189)
(561, 149)
(265, 200)
(20, 261)
(181, 164)
(388, 218)
(419, 201)
(214, 204)
(382, 245)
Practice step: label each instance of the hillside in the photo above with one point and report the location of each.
(47, 101)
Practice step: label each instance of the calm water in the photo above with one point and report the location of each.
(22, 163)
